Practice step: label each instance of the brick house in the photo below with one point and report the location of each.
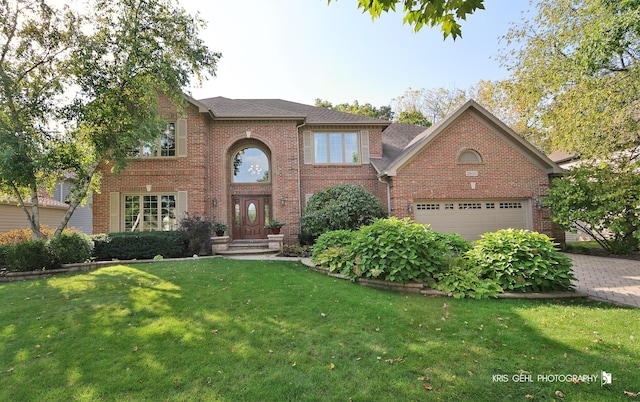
(244, 162)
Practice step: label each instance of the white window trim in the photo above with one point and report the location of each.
(362, 147)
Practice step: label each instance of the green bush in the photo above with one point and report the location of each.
(337, 259)
(196, 233)
(398, 251)
(4, 252)
(137, 245)
(521, 260)
(334, 238)
(461, 280)
(339, 207)
(455, 244)
(32, 255)
(71, 248)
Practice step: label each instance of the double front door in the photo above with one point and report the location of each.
(250, 214)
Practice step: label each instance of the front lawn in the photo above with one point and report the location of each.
(215, 329)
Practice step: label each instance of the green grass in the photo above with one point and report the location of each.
(214, 329)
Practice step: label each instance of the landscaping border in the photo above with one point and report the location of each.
(415, 287)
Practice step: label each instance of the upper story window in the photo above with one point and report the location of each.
(469, 156)
(251, 165)
(164, 145)
(339, 148)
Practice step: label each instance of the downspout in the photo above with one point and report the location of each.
(299, 174)
(388, 183)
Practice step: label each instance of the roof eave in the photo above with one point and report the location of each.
(264, 117)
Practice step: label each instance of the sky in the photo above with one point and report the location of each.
(301, 50)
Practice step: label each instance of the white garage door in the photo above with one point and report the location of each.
(471, 218)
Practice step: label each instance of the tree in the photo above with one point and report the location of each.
(601, 199)
(383, 112)
(433, 104)
(494, 96)
(35, 40)
(117, 61)
(414, 117)
(340, 207)
(575, 74)
(418, 13)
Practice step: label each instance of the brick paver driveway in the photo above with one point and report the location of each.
(615, 280)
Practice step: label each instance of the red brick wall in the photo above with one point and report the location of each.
(318, 177)
(206, 173)
(166, 174)
(504, 172)
(278, 140)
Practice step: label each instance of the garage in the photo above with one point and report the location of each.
(471, 218)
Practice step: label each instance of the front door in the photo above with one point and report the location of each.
(250, 215)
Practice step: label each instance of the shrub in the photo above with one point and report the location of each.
(521, 260)
(295, 250)
(306, 239)
(16, 236)
(137, 245)
(344, 206)
(71, 248)
(337, 259)
(398, 251)
(4, 252)
(461, 280)
(32, 255)
(455, 244)
(196, 234)
(334, 238)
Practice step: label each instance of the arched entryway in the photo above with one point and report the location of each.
(250, 183)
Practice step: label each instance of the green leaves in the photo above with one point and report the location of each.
(341, 207)
(418, 13)
(521, 260)
(575, 74)
(602, 200)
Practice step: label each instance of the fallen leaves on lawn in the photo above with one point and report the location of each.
(391, 361)
(331, 366)
(631, 394)
(559, 394)
(529, 396)
(428, 387)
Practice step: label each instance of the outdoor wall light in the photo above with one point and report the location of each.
(539, 204)
(214, 202)
(283, 201)
(409, 208)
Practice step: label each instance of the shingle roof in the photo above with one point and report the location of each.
(280, 109)
(422, 139)
(235, 108)
(394, 140)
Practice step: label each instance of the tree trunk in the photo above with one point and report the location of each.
(78, 195)
(34, 216)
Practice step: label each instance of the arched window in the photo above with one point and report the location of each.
(251, 165)
(469, 156)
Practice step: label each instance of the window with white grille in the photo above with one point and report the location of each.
(510, 205)
(470, 205)
(427, 207)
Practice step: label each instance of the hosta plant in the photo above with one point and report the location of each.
(521, 260)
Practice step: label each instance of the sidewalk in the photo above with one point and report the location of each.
(614, 280)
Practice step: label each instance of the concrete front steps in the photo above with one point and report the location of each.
(222, 245)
